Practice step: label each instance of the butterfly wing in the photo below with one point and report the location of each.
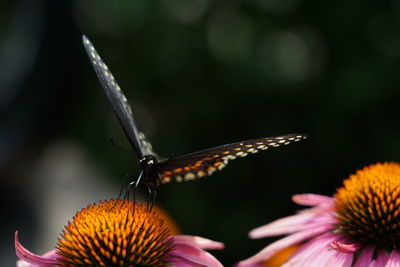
(206, 162)
(146, 146)
(118, 101)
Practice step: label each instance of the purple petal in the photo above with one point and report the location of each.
(197, 241)
(365, 257)
(381, 260)
(292, 224)
(296, 238)
(185, 254)
(313, 200)
(394, 259)
(47, 260)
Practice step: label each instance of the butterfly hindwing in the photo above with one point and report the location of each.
(117, 99)
(206, 162)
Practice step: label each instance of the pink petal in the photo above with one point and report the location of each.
(345, 248)
(292, 224)
(312, 200)
(364, 258)
(250, 265)
(185, 254)
(331, 257)
(47, 260)
(318, 253)
(197, 241)
(180, 262)
(273, 248)
(310, 249)
(21, 263)
(394, 259)
(381, 260)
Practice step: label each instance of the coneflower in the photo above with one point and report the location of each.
(358, 227)
(121, 234)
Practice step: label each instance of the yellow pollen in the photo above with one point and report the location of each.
(368, 206)
(121, 233)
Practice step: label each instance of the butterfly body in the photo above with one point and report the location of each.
(156, 171)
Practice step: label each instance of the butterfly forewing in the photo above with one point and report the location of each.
(146, 146)
(116, 98)
(206, 162)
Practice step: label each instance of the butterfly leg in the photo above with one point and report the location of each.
(133, 186)
(123, 185)
(137, 182)
(152, 197)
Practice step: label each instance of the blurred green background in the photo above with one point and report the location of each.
(198, 74)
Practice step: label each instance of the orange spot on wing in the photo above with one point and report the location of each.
(166, 179)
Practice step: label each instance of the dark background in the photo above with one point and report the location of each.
(198, 74)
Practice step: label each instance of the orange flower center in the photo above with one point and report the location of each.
(368, 206)
(115, 234)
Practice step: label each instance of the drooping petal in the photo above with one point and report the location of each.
(365, 257)
(292, 224)
(380, 260)
(321, 214)
(197, 241)
(394, 259)
(273, 248)
(312, 200)
(47, 260)
(185, 254)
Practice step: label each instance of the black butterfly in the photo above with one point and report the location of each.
(156, 171)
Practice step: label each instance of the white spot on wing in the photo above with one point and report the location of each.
(211, 170)
(221, 166)
(252, 150)
(241, 154)
(189, 176)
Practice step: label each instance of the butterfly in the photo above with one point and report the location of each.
(155, 170)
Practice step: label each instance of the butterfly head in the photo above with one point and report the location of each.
(147, 162)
